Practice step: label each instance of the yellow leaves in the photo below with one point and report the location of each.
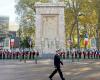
(83, 19)
(88, 18)
(94, 17)
(44, 1)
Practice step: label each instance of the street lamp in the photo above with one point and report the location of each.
(42, 44)
(78, 33)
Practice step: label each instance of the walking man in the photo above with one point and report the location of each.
(57, 63)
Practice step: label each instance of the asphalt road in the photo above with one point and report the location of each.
(16, 70)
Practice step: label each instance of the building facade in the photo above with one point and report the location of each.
(4, 28)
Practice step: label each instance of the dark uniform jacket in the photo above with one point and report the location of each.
(57, 61)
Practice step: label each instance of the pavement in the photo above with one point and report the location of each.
(77, 70)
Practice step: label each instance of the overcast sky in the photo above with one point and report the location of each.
(7, 9)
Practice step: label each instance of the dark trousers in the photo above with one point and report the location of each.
(59, 71)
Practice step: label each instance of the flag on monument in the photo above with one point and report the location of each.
(12, 42)
(86, 39)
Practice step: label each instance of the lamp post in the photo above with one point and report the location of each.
(78, 32)
(30, 43)
(42, 43)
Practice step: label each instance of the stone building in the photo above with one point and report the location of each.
(4, 28)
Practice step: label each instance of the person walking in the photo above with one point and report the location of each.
(57, 63)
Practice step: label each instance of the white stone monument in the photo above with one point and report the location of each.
(50, 27)
(54, 1)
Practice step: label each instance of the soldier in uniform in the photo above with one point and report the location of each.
(57, 63)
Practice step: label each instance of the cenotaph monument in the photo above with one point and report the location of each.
(50, 26)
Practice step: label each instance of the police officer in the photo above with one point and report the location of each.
(57, 63)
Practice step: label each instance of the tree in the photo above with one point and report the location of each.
(95, 5)
(97, 8)
(26, 15)
(80, 16)
(25, 11)
(74, 7)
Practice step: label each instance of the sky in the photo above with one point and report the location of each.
(7, 9)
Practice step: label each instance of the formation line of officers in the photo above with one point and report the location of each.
(30, 55)
(89, 54)
(25, 55)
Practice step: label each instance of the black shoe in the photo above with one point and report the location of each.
(50, 78)
(63, 79)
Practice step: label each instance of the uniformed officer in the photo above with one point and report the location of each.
(57, 63)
